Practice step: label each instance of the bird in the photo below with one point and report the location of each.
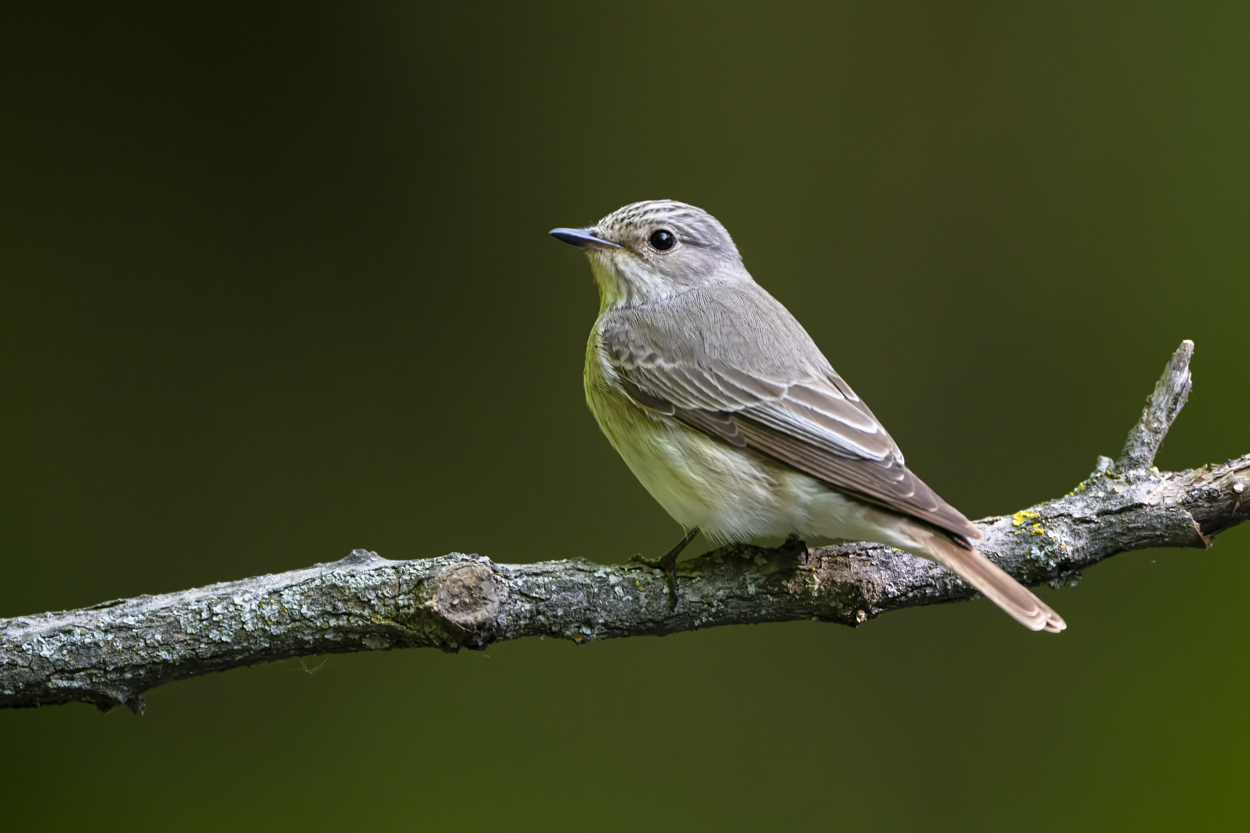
(731, 417)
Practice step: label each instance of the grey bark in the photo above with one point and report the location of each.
(111, 653)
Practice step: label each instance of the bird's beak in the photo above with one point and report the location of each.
(583, 238)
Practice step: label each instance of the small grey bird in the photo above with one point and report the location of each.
(727, 411)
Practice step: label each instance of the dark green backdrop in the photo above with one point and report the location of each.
(275, 283)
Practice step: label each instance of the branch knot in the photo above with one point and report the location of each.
(467, 596)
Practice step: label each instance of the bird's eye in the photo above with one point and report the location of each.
(662, 240)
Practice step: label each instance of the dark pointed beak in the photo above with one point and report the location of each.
(582, 238)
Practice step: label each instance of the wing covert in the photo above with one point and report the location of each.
(815, 424)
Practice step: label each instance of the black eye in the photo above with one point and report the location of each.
(662, 240)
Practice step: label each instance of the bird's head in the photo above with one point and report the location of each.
(650, 250)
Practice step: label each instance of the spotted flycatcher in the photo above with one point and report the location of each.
(732, 418)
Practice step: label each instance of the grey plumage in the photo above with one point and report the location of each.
(727, 411)
(768, 388)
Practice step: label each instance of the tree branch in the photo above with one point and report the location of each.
(109, 654)
(1170, 395)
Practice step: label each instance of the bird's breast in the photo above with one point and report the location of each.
(728, 493)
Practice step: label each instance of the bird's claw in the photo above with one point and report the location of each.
(793, 541)
(668, 564)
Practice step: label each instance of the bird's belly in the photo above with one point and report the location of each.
(728, 493)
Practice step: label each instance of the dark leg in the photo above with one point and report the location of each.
(793, 541)
(669, 565)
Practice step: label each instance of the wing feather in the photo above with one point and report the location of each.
(815, 425)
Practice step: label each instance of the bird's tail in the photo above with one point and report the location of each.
(994, 584)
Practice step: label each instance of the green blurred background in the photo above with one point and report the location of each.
(275, 283)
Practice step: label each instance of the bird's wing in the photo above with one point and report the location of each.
(812, 422)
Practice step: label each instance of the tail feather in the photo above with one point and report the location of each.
(995, 584)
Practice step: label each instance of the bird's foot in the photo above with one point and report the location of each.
(794, 542)
(668, 564)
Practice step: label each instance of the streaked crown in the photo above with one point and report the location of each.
(691, 225)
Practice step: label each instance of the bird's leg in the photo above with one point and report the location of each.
(668, 563)
(793, 541)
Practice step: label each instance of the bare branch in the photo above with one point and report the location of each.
(1170, 394)
(109, 654)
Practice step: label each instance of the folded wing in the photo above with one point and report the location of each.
(814, 424)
